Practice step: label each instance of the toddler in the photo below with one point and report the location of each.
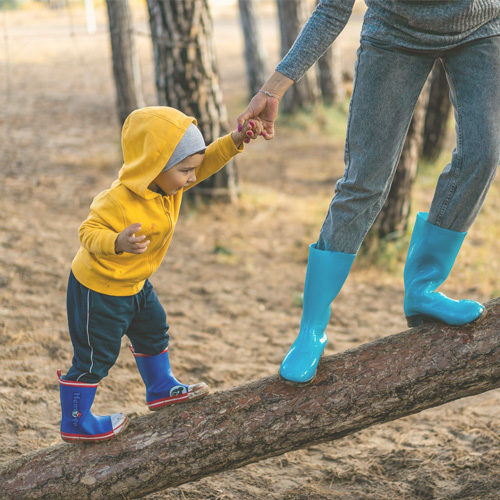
(123, 241)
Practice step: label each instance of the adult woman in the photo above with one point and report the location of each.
(400, 42)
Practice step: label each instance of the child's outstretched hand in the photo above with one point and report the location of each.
(127, 241)
(250, 130)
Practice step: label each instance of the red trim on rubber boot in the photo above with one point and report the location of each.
(74, 383)
(73, 438)
(197, 391)
(159, 403)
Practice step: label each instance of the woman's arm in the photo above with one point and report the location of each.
(324, 25)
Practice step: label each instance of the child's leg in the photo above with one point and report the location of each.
(148, 329)
(473, 72)
(387, 84)
(148, 334)
(96, 323)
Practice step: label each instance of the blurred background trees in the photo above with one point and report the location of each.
(437, 113)
(187, 77)
(292, 14)
(254, 49)
(126, 69)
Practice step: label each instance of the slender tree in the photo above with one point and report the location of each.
(254, 51)
(126, 70)
(330, 75)
(292, 16)
(438, 111)
(187, 76)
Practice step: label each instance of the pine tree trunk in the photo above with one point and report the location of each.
(187, 76)
(254, 53)
(292, 16)
(393, 218)
(330, 75)
(436, 117)
(126, 69)
(377, 382)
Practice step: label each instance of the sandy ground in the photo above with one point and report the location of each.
(234, 313)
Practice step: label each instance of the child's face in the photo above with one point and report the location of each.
(180, 175)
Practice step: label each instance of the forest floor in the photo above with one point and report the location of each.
(232, 279)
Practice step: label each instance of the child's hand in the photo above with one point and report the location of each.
(250, 130)
(127, 241)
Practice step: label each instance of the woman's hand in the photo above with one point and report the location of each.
(264, 104)
(265, 108)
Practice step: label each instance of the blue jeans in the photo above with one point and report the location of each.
(388, 81)
(97, 323)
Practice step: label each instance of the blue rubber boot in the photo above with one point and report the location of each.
(78, 423)
(326, 273)
(431, 256)
(162, 388)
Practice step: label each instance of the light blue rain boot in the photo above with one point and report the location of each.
(78, 423)
(162, 388)
(431, 256)
(326, 273)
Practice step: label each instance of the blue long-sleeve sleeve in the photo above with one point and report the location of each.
(414, 25)
(324, 25)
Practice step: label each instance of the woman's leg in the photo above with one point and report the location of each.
(387, 84)
(386, 88)
(473, 72)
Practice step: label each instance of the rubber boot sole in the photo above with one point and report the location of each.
(92, 439)
(197, 393)
(295, 384)
(420, 319)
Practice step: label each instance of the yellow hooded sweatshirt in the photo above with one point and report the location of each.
(149, 137)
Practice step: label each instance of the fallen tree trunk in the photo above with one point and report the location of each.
(376, 382)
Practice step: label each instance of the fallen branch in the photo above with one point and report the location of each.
(376, 382)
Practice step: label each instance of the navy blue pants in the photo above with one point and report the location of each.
(97, 323)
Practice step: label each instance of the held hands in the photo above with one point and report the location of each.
(264, 104)
(127, 241)
(265, 107)
(247, 131)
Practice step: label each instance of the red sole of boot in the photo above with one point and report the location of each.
(182, 398)
(91, 439)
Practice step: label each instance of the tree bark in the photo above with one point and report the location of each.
(330, 75)
(187, 76)
(393, 218)
(292, 16)
(377, 382)
(126, 69)
(254, 52)
(436, 117)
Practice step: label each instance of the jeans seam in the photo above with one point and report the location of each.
(454, 170)
(348, 131)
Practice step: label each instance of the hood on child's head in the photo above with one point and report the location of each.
(149, 137)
